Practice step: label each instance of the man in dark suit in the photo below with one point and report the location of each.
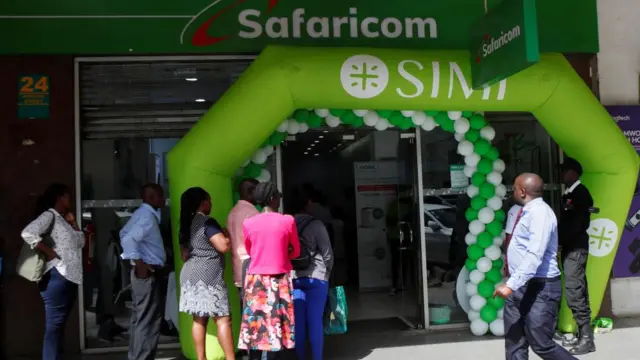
(574, 243)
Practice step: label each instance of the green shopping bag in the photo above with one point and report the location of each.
(335, 313)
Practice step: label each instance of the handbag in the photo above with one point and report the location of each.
(31, 261)
(336, 311)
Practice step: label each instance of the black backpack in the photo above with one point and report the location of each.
(304, 261)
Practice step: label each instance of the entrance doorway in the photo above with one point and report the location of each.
(364, 186)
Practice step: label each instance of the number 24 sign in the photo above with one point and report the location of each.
(33, 96)
(29, 84)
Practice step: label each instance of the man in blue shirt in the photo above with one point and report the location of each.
(142, 244)
(533, 290)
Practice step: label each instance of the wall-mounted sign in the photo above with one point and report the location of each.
(33, 96)
(504, 42)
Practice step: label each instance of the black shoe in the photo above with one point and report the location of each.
(558, 336)
(570, 342)
(585, 342)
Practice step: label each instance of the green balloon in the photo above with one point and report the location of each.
(315, 121)
(485, 166)
(500, 216)
(481, 147)
(498, 264)
(448, 126)
(471, 214)
(396, 119)
(358, 122)
(470, 264)
(478, 203)
(477, 121)
(478, 179)
(467, 114)
(348, 118)
(493, 154)
(486, 289)
(475, 252)
(337, 112)
(472, 135)
(496, 302)
(385, 114)
(277, 138)
(431, 113)
(301, 115)
(445, 122)
(252, 170)
(493, 275)
(487, 190)
(488, 313)
(485, 240)
(494, 228)
(406, 124)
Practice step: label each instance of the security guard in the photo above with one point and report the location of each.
(574, 243)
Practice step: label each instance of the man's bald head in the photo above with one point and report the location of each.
(527, 187)
(246, 188)
(153, 195)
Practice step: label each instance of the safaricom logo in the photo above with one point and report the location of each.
(491, 44)
(254, 23)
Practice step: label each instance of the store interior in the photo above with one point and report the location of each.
(133, 114)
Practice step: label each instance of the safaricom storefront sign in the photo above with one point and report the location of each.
(504, 42)
(247, 26)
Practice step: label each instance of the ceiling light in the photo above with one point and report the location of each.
(200, 100)
(305, 153)
(312, 145)
(321, 137)
(326, 131)
(316, 154)
(190, 79)
(317, 141)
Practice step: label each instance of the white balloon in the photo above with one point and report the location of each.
(494, 178)
(484, 264)
(472, 190)
(486, 215)
(268, 150)
(495, 203)
(472, 159)
(371, 118)
(469, 171)
(361, 112)
(429, 123)
(476, 277)
(323, 113)
(499, 165)
(264, 176)
(471, 289)
(303, 128)
(493, 253)
(259, 157)
(470, 239)
(501, 191)
(473, 315)
(408, 113)
(479, 327)
(293, 127)
(458, 136)
(462, 125)
(501, 313)
(476, 227)
(333, 121)
(382, 124)
(465, 148)
(284, 126)
(498, 241)
(417, 118)
(454, 115)
(497, 327)
(244, 164)
(477, 302)
(488, 132)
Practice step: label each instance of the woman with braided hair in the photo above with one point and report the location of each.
(271, 240)
(203, 292)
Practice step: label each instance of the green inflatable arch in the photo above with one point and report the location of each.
(283, 79)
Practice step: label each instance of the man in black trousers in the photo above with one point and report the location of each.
(574, 243)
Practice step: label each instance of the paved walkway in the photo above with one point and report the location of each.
(621, 344)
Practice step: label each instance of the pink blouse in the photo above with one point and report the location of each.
(267, 238)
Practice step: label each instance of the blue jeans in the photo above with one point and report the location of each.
(309, 299)
(530, 316)
(58, 295)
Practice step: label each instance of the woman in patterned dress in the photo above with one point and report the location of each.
(203, 291)
(271, 240)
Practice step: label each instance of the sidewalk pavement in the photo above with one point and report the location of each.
(623, 343)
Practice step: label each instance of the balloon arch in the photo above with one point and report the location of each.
(235, 138)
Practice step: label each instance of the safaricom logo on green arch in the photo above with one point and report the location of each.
(490, 44)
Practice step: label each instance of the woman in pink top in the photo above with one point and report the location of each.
(271, 240)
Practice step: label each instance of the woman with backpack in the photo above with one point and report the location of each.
(311, 281)
(55, 233)
(271, 241)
